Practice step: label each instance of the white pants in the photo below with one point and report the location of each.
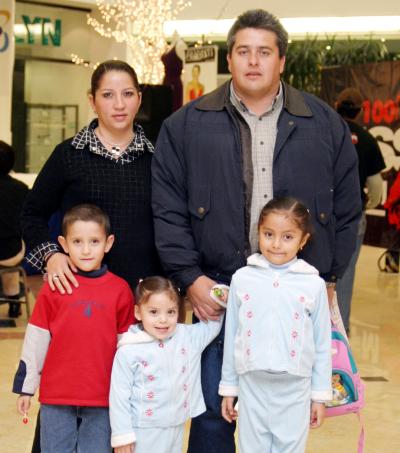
(160, 440)
(274, 412)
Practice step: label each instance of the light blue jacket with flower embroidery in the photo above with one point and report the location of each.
(278, 320)
(156, 384)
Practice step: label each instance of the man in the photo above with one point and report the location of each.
(220, 158)
(370, 164)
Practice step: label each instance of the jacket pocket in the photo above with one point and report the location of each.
(324, 206)
(199, 202)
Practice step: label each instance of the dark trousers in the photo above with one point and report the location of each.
(209, 432)
(36, 439)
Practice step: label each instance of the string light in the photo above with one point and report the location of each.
(140, 24)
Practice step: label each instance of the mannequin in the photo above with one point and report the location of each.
(173, 62)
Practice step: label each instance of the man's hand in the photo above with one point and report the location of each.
(227, 409)
(199, 296)
(317, 414)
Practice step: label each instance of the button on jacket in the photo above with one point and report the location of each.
(156, 384)
(201, 169)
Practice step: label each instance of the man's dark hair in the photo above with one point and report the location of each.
(261, 19)
(7, 158)
(86, 213)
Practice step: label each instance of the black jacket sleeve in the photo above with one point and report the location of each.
(173, 233)
(44, 199)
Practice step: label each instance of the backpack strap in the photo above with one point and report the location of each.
(361, 438)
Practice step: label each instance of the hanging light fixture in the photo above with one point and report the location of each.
(139, 24)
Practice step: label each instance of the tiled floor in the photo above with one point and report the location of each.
(375, 341)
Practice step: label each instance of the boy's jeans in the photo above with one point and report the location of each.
(69, 429)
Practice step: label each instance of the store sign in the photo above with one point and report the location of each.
(200, 75)
(38, 30)
(7, 8)
(4, 35)
(379, 86)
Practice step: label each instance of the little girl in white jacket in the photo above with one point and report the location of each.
(277, 351)
(155, 382)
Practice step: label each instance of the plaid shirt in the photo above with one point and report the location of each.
(87, 137)
(264, 130)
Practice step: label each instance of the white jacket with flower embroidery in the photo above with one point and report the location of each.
(277, 320)
(157, 383)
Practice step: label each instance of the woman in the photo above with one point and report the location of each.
(107, 164)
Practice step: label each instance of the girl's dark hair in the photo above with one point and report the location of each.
(112, 65)
(293, 208)
(156, 285)
(7, 158)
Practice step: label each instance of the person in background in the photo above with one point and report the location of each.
(71, 340)
(277, 353)
(220, 158)
(108, 164)
(370, 165)
(155, 383)
(12, 247)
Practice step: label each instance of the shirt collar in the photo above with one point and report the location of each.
(94, 274)
(241, 106)
(86, 136)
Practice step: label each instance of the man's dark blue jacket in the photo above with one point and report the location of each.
(201, 172)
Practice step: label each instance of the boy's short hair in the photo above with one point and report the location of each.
(85, 213)
(7, 158)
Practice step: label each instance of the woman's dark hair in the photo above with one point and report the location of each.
(86, 213)
(262, 20)
(293, 208)
(7, 158)
(112, 65)
(156, 285)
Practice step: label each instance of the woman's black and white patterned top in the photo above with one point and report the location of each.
(82, 170)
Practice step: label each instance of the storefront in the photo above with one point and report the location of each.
(49, 99)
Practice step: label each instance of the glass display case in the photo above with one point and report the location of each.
(47, 125)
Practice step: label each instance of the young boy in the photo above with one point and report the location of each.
(71, 340)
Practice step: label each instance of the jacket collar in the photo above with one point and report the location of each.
(218, 99)
(298, 266)
(135, 335)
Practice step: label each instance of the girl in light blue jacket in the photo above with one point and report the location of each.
(155, 382)
(277, 352)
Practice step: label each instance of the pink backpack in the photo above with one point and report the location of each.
(348, 388)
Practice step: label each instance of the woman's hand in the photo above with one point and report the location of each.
(125, 449)
(227, 409)
(317, 414)
(23, 404)
(60, 273)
